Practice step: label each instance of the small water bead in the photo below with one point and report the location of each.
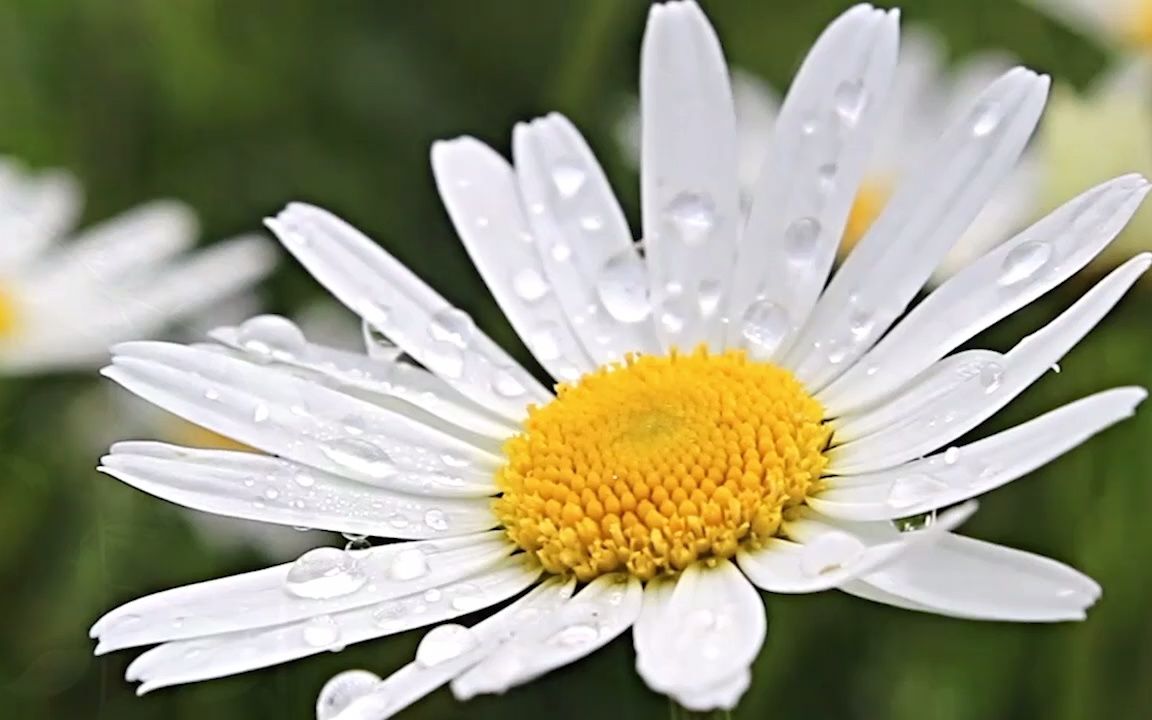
(912, 490)
(544, 342)
(211, 394)
(1055, 368)
(672, 322)
(505, 384)
(801, 240)
(693, 216)
(433, 595)
(568, 178)
(708, 295)
(359, 457)
(467, 597)
(592, 223)
(444, 643)
(436, 520)
(304, 479)
(260, 413)
(987, 119)
(271, 336)
(990, 377)
(1024, 262)
(860, 324)
(826, 176)
(561, 252)
(831, 551)
(951, 456)
(455, 461)
(342, 690)
(322, 632)
(764, 325)
(324, 573)
(452, 326)
(622, 287)
(271, 493)
(408, 564)
(575, 635)
(529, 285)
(850, 98)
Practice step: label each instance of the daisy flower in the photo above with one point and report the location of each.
(724, 420)
(63, 302)
(924, 96)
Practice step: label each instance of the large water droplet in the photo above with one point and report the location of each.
(505, 383)
(1024, 262)
(708, 295)
(850, 99)
(452, 326)
(444, 643)
(436, 520)
(324, 573)
(408, 564)
(800, 240)
(990, 377)
(467, 597)
(764, 325)
(623, 287)
(912, 490)
(693, 216)
(360, 457)
(271, 337)
(568, 178)
(322, 632)
(829, 552)
(986, 119)
(529, 285)
(342, 690)
(544, 341)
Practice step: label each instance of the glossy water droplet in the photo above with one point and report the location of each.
(388, 613)
(444, 643)
(324, 573)
(529, 285)
(260, 413)
(452, 326)
(568, 178)
(801, 240)
(951, 456)
(592, 223)
(322, 632)
(408, 564)
(850, 98)
(505, 384)
(987, 118)
(623, 287)
(271, 336)
(342, 690)
(432, 595)
(575, 635)
(271, 493)
(1024, 262)
(467, 597)
(304, 478)
(1055, 368)
(211, 394)
(693, 216)
(860, 324)
(708, 295)
(436, 520)
(826, 176)
(672, 322)
(990, 377)
(544, 342)
(360, 457)
(764, 325)
(829, 552)
(913, 489)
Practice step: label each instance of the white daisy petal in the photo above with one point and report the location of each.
(1001, 282)
(724, 696)
(964, 472)
(810, 177)
(443, 655)
(930, 209)
(305, 422)
(602, 610)
(414, 316)
(479, 190)
(583, 240)
(276, 340)
(702, 633)
(322, 581)
(978, 394)
(829, 557)
(198, 659)
(273, 490)
(690, 199)
(36, 210)
(968, 578)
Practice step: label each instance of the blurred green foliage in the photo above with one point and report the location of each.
(238, 106)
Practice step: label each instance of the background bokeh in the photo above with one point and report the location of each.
(237, 107)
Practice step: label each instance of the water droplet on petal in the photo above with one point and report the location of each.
(951, 456)
(529, 285)
(544, 342)
(1024, 262)
(860, 324)
(693, 216)
(623, 287)
(708, 295)
(432, 595)
(452, 326)
(408, 564)
(575, 635)
(505, 384)
(324, 573)
(304, 478)
(211, 394)
(591, 223)
(912, 490)
(764, 325)
(568, 178)
(436, 520)
(322, 632)
(260, 413)
(271, 336)
(444, 643)
(990, 376)
(467, 597)
(561, 252)
(850, 99)
(831, 551)
(360, 457)
(342, 690)
(986, 119)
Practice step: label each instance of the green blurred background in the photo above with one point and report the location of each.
(238, 106)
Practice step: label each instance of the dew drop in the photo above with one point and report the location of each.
(304, 478)
(568, 178)
(467, 597)
(529, 285)
(829, 552)
(860, 324)
(436, 520)
(951, 455)
(592, 223)
(211, 394)
(271, 336)
(850, 99)
(433, 595)
(408, 564)
(708, 295)
(544, 342)
(260, 413)
(388, 613)
(360, 457)
(452, 326)
(505, 384)
(324, 573)
(322, 632)
(444, 643)
(764, 325)
(575, 635)
(990, 377)
(342, 690)
(693, 216)
(826, 176)
(672, 322)
(913, 489)
(1024, 262)
(800, 240)
(271, 493)
(623, 287)
(987, 118)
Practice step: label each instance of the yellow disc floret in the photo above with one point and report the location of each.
(659, 461)
(8, 313)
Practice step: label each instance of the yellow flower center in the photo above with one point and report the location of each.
(870, 200)
(9, 320)
(654, 463)
(1138, 29)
